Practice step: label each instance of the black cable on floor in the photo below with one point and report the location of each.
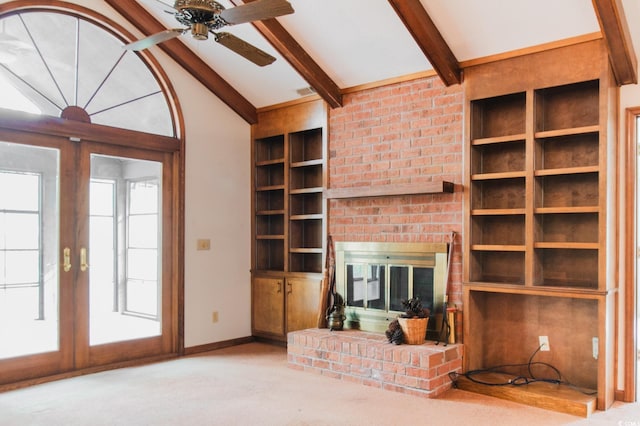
(517, 380)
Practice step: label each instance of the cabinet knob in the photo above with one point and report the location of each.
(279, 286)
(289, 288)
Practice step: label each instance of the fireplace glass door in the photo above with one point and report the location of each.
(366, 286)
(374, 280)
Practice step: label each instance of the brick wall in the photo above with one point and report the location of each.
(404, 133)
(368, 358)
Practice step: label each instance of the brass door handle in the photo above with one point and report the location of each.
(83, 259)
(279, 287)
(66, 259)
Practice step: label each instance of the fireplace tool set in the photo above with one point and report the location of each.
(447, 330)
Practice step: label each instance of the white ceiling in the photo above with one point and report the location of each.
(360, 42)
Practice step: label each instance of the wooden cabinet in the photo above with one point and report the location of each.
(280, 305)
(289, 227)
(540, 222)
(267, 307)
(302, 300)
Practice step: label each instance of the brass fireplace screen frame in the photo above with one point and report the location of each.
(408, 257)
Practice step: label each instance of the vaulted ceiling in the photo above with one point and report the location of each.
(337, 46)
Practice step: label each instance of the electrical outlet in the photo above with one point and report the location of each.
(214, 317)
(544, 343)
(595, 342)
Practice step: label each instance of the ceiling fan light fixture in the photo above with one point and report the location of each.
(207, 12)
(200, 31)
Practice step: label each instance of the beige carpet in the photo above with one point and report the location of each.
(251, 385)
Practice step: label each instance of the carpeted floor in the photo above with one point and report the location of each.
(251, 385)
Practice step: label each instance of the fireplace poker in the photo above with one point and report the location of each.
(445, 329)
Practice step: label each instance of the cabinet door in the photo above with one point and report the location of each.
(268, 305)
(303, 298)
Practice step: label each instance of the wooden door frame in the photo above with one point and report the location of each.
(629, 306)
(88, 356)
(27, 126)
(42, 364)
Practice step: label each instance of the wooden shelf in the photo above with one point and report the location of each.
(270, 188)
(307, 163)
(554, 210)
(305, 190)
(497, 212)
(317, 216)
(566, 245)
(497, 247)
(499, 139)
(269, 237)
(537, 290)
(566, 171)
(567, 132)
(314, 250)
(381, 191)
(273, 162)
(503, 175)
(269, 212)
(550, 396)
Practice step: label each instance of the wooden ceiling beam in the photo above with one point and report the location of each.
(299, 59)
(426, 34)
(615, 30)
(180, 53)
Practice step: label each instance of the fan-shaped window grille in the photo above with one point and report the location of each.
(66, 66)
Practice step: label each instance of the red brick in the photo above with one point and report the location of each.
(407, 381)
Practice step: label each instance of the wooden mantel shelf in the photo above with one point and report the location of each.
(390, 190)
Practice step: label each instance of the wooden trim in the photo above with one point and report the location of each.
(21, 121)
(180, 53)
(383, 191)
(389, 81)
(218, 345)
(288, 104)
(530, 50)
(428, 37)
(613, 25)
(630, 259)
(91, 370)
(298, 58)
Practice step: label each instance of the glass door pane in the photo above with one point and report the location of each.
(29, 255)
(124, 250)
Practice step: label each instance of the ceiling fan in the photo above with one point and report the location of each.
(201, 17)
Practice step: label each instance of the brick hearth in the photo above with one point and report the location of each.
(368, 358)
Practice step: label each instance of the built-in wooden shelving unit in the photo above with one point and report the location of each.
(289, 151)
(540, 220)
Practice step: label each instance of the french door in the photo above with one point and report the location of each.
(86, 259)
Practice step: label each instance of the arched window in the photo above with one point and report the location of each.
(61, 65)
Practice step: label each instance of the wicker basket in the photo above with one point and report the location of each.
(414, 329)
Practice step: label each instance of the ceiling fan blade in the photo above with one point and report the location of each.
(244, 49)
(155, 39)
(256, 11)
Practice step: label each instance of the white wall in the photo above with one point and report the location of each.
(217, 207)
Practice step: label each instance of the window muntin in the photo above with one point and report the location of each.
(59, 62)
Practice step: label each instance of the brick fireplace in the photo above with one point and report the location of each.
(407, 133)
(367, 358)
(402, 134)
